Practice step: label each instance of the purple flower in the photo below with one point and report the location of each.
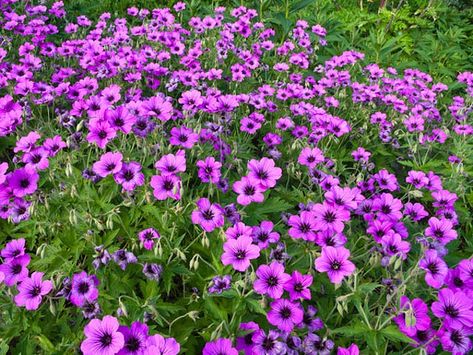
(172, 164)
(313, 344)
(271, 280)
(237, 230)
(37, 159)
(100, 133)
(264, 172)
(220, 284)
(334, 261)
(183, 137)
(414, 316)
(147, 237)
(102, 337)
(218, 347)
(455, 307)
(15, 270)
(393, 245)
(285, 314)
(466, 269)
(152, 271)
(263, 234)
(441, 230)
(238, 253)
(23, 181)
(130, 176)
(456, 340)
(109, 163)
(209, 170)
(84, 289)
(436, 269)
(245, 343)
(298, 286)
(330, 217)
(303, 226)
(351, 350)
(267, 344)
(135, 338)
(208, 215)
(415, 211)
(158, 345)
(248, 190)
(311, 157)
(168, 186)
(31, 291)
(3, 170)
(13, 249)
(123, 258)
(310, 320)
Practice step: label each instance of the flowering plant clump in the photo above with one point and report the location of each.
(179, 184)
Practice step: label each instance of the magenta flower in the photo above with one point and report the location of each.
(264, 172)
(454, 307)
(311, 157)
(303, 226)
(13, 249)
(3, 170)
(54, 145)
(148, 236)
(191, 100)
(263, 234)
(102, 337)
(36, 158)
(209, 170)
(245, 343)
(285, 314)
(159, 108)
(23, 181)
(417, 178)
(414, 316)
(456, 340)
(388, 207)
(31, 291)
(15, 270)
(183, 137)
(109, 163)
(100, 133)
(271, 280)
(334, 261)
(351, 350)
(248, 190)
(130, 176)
(330, 217)
(25, 144)
(436, 269)
(120, 119)
(441, 230)
(171, 164)
(158, 345)
(219, 347)
(83, 289)
(298, 286)
(167, 186)
(208, 215)
(393, 244)
(237, 230)
(238, 253)
(135, 338)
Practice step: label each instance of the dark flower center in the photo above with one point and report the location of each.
(438, 233)
(36, 159)
(272, 281)
(35, 291)
(298, 287)
(24, 183)
(457, 281)
(208, 215)
(128, 175)
(106, 339)
(456, 337)
(262, 174)
(133, 344)
(285, 312)
(263, 236)
(329, 217)
(119, 122)
(336, 265)
(422, 335)
(110, 166)
(249, 190)
(268, 344)
(451, 311)
(305, 227)
(83, 287)
(386, 209)
(168, 185)
(182, 138)
(102, 134)
(16, 269)
(240, 254)
(433, 268)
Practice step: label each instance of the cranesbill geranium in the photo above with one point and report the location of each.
(147, 237)
(109, 163)
(334, 261)
(435, 267)
(454, 307)
(441, 230)
(238, 253)
(102, 337)
(219, 346)
(209, 170)
(15, 270)
(135, 338)
(208, 215)
(248, 190)
(130, 176)
(3, 170)
(414, 316)
(158, 345)
(84, 289)
(298, 286)
(13, 249)
(329, 217)
(263, 234)
(167, 186)
(23, 181)
(311, 157)
(285, 314)
(183, 137)
(264, 171)
(171, 164)
(303, 226)
(271, 280)
(31, 291)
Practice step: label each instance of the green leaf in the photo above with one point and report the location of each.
(299, 5)
(352, 330)
(393, 333)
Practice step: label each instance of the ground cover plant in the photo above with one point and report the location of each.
(180, 183)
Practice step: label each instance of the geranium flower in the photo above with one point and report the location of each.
(31, 291)
(102, 337)
(238, 253)
(334, 261)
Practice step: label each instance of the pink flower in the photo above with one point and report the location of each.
(31, 291)
(238, 253)
(334, 261)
